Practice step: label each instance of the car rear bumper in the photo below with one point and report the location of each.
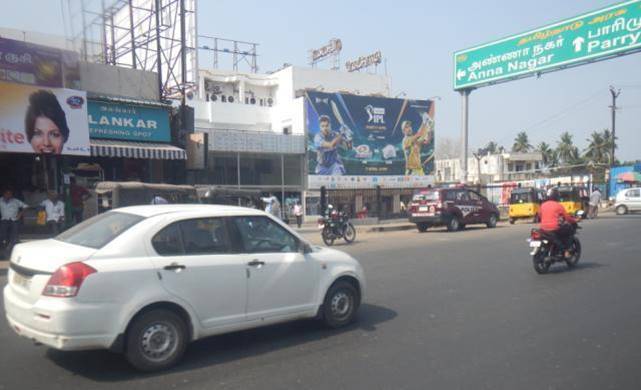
(430, 219)
(58, 326)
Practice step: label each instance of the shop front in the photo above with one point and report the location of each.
(130, 141)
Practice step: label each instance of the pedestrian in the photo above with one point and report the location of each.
(55, 211)
(79, 195)
(11, 211)
(595, 200)
(272, 206)
(157, 199)
(298, 213)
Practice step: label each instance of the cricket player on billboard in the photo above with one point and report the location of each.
(326, 143)
(412, 144)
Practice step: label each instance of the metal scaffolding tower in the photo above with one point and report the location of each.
(241, 52)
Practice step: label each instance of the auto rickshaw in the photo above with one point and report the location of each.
(525, 203)
(111, 195)
(575, 199)
(211, 194)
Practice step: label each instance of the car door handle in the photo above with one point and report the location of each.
(256, 263)
(174, 266)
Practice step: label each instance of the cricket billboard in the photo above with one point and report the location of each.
(364, 141)
(598, 35)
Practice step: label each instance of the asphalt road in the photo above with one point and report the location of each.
(444, 310)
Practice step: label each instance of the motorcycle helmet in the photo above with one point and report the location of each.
(553, 194)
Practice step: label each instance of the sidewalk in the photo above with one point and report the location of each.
(365, 225)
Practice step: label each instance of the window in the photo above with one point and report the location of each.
(428, 196)
(193, 237)
(100, 230)
(168, 242)
(205, 236)
(474, 196)
(262, 235)
(461, 196)
(633, 193)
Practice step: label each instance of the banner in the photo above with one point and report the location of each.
(43, 120)
(111, 120)
(28, 63)
(368, 141)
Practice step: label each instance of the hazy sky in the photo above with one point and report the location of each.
(418, 38)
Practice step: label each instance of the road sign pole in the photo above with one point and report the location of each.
(465, 95)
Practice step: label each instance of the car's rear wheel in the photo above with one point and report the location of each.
(453, 224)
(156, 340)
(422, 227)
(621, 210)
(491, 222)
(340, 305)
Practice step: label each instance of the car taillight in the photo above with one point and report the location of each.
(66, 281)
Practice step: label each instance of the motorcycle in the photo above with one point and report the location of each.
(547, 250)
(335, 226)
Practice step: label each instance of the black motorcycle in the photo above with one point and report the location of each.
(547, 249)
(335, 225)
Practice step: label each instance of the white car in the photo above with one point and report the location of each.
(147, 280)
(628, 200)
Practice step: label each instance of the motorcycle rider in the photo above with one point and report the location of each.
(555, 221)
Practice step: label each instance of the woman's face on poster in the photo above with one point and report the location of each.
(47, 137)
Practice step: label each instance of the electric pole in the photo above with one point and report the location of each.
(615, 94)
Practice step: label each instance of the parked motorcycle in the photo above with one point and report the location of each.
(547, 249)
(335, 225)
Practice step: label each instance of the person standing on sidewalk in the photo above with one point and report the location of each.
(55, 210)
(298, 213)
(11, 211)
(595, 199)
(79, 195)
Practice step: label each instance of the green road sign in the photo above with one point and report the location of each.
(608, 32)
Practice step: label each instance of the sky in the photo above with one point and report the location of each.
(417, 39)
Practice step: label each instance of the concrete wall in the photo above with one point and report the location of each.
(335, 81)
(114, 81)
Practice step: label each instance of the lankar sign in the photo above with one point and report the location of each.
(363, 141)
(110, 120)
(597, 35)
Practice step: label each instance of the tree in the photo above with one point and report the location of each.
(598, 151)
(521, 143)
(567, 152)
(549, 155)
(607, 139)
(492, 147)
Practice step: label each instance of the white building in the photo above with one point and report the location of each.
(492, 168)
(256, 124)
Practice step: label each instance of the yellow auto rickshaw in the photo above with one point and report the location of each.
(525, 203)
(574, 199)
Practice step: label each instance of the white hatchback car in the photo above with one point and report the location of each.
(147, 280)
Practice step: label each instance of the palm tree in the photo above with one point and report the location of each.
(521, 143)
(598, 151)
(567, 153)
(548, 154)
(491, 147)
(607, 139)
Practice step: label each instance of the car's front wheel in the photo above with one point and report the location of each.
(621, 210)
(340, 305)
(156, 340)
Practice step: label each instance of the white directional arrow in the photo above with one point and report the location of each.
(460, 74)
(578, 43)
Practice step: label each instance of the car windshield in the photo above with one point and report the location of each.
(431, 195)
(100, 230)
(521, 197)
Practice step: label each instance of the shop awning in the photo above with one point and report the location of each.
(130, 149)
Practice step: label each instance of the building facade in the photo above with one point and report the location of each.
(492, 168)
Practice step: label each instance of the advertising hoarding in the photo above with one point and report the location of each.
(43, 120)
(615, 30)
(364, 141)
(28, 63)
(112, 120)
